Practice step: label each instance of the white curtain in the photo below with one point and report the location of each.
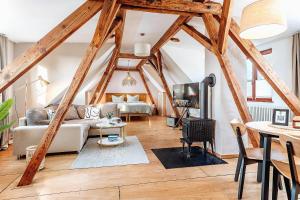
(296, 64)
(4, 137)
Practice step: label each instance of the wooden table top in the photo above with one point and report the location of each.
(268, 128)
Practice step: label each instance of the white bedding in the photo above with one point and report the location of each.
(137, 107)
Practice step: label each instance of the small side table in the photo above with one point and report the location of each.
(104, 141)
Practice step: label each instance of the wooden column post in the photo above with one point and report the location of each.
(224, 25)
(108, 13)
(265, 69)
(55, 37)
(234, 86)
(146, 86)
(106, 84)
(166, 87)
(110, 65)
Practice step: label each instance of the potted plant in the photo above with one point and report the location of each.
(109, 116)
(4, 112)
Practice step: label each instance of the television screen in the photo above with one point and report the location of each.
(186, 95)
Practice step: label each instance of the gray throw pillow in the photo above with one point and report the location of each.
(72, 113)
(81, 110)
(35, 115)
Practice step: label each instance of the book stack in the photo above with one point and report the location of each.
(113, 138)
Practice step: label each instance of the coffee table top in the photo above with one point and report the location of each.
(105, 125)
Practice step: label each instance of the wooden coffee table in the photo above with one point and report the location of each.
(104, 141)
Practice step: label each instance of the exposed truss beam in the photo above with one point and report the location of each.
(175, 6)
(110, 65)
(224, 25)
(131, 56)
(50, 41)
(124, 69)
(105, 84)
(232, 81)
(265, 69)
(174, 28)
(108, 13)
(147, 87)
(202, 39)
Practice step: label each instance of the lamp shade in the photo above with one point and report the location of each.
(263, 19)
(142, 49)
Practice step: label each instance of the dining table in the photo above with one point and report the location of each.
(268, 131)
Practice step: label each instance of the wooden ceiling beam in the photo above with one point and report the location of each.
(174, 28)
(202, 39)
(230, 76)
(108, 13)
(265, 69)
(147, 87)
(173, 6)
(161, 11)
(27, 60)
(124, 69)
(224, 25)
(131, 56)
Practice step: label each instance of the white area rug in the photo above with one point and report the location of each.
(93, 155)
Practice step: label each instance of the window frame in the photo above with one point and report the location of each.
(254, 79)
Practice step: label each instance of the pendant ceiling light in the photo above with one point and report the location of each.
(263, 19)
(128, 80)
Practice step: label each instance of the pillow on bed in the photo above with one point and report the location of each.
(132, 99)
(117, 99)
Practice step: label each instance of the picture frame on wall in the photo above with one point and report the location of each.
(281, 117)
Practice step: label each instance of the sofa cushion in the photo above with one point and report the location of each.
(81, 111)
(92, 112)
(72, 113)
(91, 122)
(35, 116)
(109, 107)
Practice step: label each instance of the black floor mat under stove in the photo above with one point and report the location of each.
(174, 158)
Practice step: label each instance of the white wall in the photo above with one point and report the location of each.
(281, 61)
(224, 108)
(58, 68)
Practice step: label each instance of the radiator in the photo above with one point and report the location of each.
(263, 113)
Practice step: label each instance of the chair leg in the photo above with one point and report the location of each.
(259, 172)
(238, 168)
(275, 184)
(287, 187)
(242, 179)
(280, 183)
(295, 192)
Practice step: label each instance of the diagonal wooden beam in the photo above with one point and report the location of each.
(110, 65)
(174, 28)
(147, 87)
(166, 87)
(118, 39)
(230, 76)
(105, 84)
(176, 5)
(224, 25)
(265, 69)
(50, 41)
(202, 39)
(108, 13)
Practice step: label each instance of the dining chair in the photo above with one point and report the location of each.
(289, 169)
(247, 156)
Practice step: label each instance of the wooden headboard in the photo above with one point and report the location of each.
(142, 96)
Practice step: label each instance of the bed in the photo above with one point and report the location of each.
(143, 107)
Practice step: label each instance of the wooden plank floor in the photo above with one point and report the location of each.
(145, 181)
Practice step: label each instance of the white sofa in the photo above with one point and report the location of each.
(70, 138)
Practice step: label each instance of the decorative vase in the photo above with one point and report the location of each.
(29, 154)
